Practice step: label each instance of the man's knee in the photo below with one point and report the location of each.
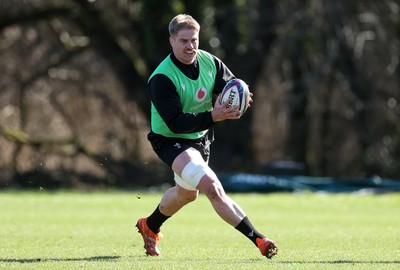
(187, 196)
(193, 173)
(213, 189)
(191, 196)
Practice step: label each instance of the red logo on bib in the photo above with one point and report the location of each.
(201, 94)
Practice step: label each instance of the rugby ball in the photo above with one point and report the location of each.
(239, 92)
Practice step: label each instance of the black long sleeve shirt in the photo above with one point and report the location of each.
(166, 100)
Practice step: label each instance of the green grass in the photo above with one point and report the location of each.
(71, 230)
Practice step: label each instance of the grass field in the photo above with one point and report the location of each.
(71, 230)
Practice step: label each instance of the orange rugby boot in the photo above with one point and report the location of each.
(267, 247)
(150, 238)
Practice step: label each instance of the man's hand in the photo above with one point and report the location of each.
(221, 112)
(250, 100)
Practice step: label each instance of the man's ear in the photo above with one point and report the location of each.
(171, 41)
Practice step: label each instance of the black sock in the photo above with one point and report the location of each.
(155, 220)
(246, 228)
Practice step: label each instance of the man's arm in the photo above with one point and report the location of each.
(222, 77)
(167, 102)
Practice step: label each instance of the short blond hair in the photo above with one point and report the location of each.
(182, 21)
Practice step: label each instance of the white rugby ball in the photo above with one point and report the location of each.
(239, 92)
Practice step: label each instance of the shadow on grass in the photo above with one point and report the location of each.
(339, 262)
(38, 260)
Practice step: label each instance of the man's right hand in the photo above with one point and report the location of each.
(221, 112)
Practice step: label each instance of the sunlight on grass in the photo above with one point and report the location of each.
(69, 230)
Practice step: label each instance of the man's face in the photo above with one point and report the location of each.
(185, 45)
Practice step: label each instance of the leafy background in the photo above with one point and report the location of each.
(74, 107)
